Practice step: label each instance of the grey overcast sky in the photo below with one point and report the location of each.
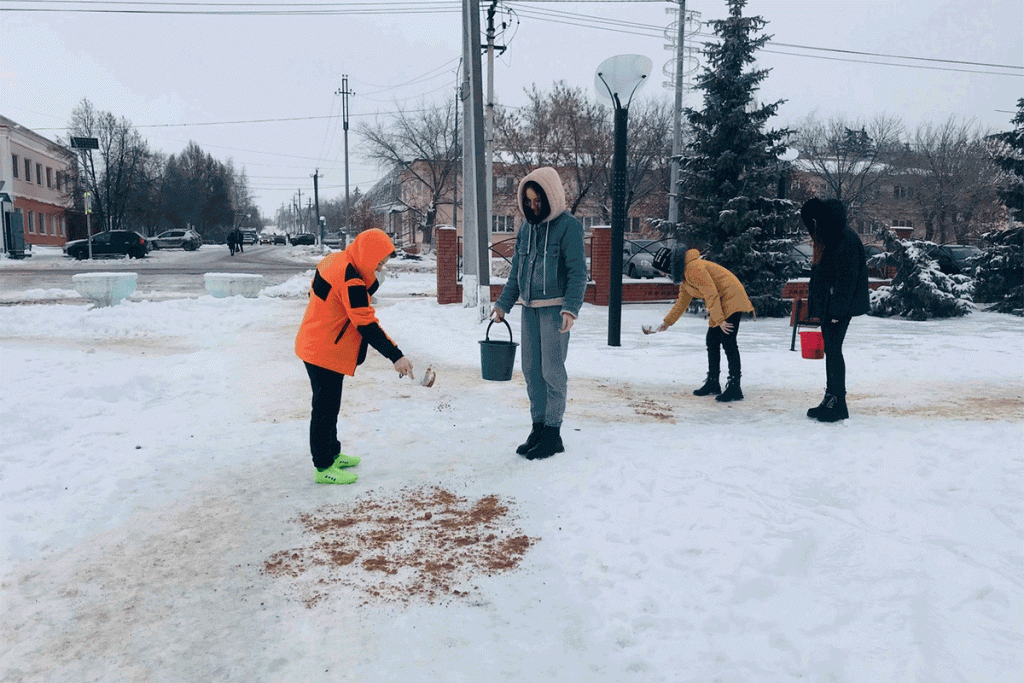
(255, 82)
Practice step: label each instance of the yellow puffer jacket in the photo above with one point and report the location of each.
(722, 293)
(339, 322)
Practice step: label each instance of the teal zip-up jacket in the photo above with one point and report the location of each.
(549, 266)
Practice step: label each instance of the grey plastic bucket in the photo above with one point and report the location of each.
(497, 357)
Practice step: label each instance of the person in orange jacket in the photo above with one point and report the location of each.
(338, 326)
(726, 301)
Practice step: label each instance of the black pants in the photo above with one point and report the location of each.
(717, 340)
(833, 334)
(323, 421)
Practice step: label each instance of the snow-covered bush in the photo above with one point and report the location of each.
(1000, 271)
(919, 290)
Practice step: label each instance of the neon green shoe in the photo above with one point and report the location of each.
(343, 461)
(331, 475)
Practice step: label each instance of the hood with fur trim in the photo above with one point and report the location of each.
(551, 185)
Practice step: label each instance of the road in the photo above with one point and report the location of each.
(162, 270)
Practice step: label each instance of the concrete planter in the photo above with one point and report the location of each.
(221, 285)
(105, 289)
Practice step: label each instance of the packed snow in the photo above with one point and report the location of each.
(154, 463)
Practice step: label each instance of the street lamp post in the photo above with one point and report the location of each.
(617, 79)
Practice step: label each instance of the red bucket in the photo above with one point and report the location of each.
(812, 345)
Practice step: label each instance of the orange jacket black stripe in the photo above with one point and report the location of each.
(340, 322)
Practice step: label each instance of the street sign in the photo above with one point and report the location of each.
(85, 143)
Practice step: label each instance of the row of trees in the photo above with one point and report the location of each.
(733, 187)
(563, 128)
(132, 187)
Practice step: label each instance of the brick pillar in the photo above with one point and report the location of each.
(601, 263)
(446, 251)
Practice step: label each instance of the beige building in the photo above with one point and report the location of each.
(35, 174)
(399, 203)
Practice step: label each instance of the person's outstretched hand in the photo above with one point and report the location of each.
(404, 367)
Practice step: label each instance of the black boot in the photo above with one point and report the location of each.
(550, 443)
(711, 386)
(834, 409)
(732, 390)
(816, 411)
(532, 439)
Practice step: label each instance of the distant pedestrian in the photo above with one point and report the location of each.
(338, 326)
(549, 278)
(726, 301)
(837, 292)
(232, 241)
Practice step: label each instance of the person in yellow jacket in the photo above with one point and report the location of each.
(726, 301)
(338, 326)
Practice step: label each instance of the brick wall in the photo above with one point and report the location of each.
(449, 291)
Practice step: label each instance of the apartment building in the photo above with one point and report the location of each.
(35, 174)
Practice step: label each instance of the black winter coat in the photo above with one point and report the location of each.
(839, 282)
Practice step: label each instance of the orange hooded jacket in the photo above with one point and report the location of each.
(340, 322)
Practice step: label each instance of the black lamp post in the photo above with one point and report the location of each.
(619, 78)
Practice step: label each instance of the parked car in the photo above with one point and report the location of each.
(189, 240)
(954, 259)
(280, 239)
(334, 240)
(638, 258)
(303, 238)
(250, 237)
(109, 243)
(802, 255)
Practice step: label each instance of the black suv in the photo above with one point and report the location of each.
(110, 243)
(954, 259)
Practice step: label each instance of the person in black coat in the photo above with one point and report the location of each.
(837, 292)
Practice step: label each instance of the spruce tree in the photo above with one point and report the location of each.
(729, 176)
(1009, 157)
(1000, 269)
(919, 290)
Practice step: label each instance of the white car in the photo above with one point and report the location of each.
(189, 240)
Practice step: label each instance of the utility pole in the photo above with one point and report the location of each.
(316, 201)
(345, 92)
(677, 128)
(489, 112)
(476, 278)
(298, 210)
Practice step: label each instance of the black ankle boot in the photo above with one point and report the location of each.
(834, 409)
(732, 391)
(532, 439)
(550, 443)
(711, 386)
(816, 411)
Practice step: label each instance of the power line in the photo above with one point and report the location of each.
(427, 7)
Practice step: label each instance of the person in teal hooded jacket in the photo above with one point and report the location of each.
(548, 278)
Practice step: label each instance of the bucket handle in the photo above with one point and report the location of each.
(487, 335)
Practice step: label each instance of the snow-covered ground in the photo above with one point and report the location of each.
(160, 521)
